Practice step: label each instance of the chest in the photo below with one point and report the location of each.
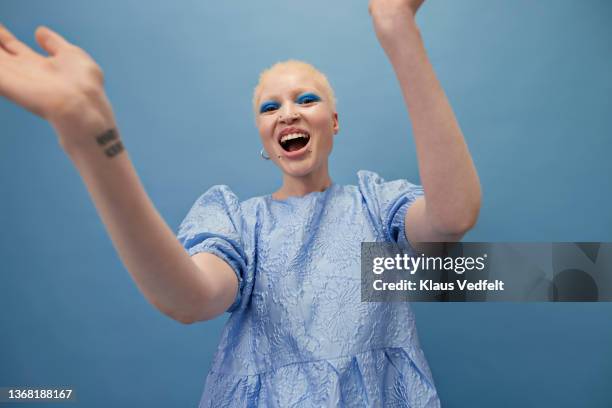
(301, 255)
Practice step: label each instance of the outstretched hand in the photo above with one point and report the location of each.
(65, 84)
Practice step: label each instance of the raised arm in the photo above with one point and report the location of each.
(66, 88)
(448, 175)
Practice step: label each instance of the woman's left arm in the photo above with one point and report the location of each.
(447, 172)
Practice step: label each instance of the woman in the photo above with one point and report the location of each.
(285, 265)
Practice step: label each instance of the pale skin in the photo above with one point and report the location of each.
(318, 118)
(447, 171)
(66, 87)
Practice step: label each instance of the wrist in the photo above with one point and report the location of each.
(392, 18)
(80, 121)
(395, 28)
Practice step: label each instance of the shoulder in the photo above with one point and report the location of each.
(368, 176)
(223, 196)
(370, 179)
(221, 199)
(218, 204)
(386, 196)
(218, 195)
(372, 185)
(366, 179)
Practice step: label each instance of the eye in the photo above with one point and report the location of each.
(308, 98)
(268, 107)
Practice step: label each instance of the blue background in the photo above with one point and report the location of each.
(530, 84)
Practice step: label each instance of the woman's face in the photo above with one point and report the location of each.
(296, 121)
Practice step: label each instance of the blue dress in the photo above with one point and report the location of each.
(298, 334)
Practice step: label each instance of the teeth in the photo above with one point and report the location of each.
(293, 136)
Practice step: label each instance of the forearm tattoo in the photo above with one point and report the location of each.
(110, 142)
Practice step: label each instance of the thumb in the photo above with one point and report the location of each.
(49, 40)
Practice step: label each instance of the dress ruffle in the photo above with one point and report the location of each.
(386, 377)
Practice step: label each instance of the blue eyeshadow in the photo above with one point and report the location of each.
(309, 95)
(267, 105)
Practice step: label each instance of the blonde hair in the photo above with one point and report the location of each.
(317, 75)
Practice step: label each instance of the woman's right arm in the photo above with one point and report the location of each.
(66, 88)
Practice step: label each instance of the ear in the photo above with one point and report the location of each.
(336, 124)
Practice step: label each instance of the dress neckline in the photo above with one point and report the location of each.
(302, 197)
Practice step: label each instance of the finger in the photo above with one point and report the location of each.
(49, 40)
(6, 37)
(10, 43)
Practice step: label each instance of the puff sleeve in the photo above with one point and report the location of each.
(214, 225)
(387, 203)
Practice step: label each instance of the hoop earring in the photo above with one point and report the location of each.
(262, 153)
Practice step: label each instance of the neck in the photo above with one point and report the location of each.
(300, 186)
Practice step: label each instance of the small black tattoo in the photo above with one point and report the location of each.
(114, 149)
(106, 137)
(110, 136)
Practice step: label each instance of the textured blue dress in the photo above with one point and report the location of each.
(298, 334)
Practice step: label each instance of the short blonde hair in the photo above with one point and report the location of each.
(294, 64)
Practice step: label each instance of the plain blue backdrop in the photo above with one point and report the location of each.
(531, 85)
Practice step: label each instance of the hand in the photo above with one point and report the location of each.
(66, 87)
(389, 15)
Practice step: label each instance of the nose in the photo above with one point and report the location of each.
(288, 114)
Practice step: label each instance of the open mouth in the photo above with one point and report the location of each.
(294, 141)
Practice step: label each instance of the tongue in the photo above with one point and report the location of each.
(296, 144)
